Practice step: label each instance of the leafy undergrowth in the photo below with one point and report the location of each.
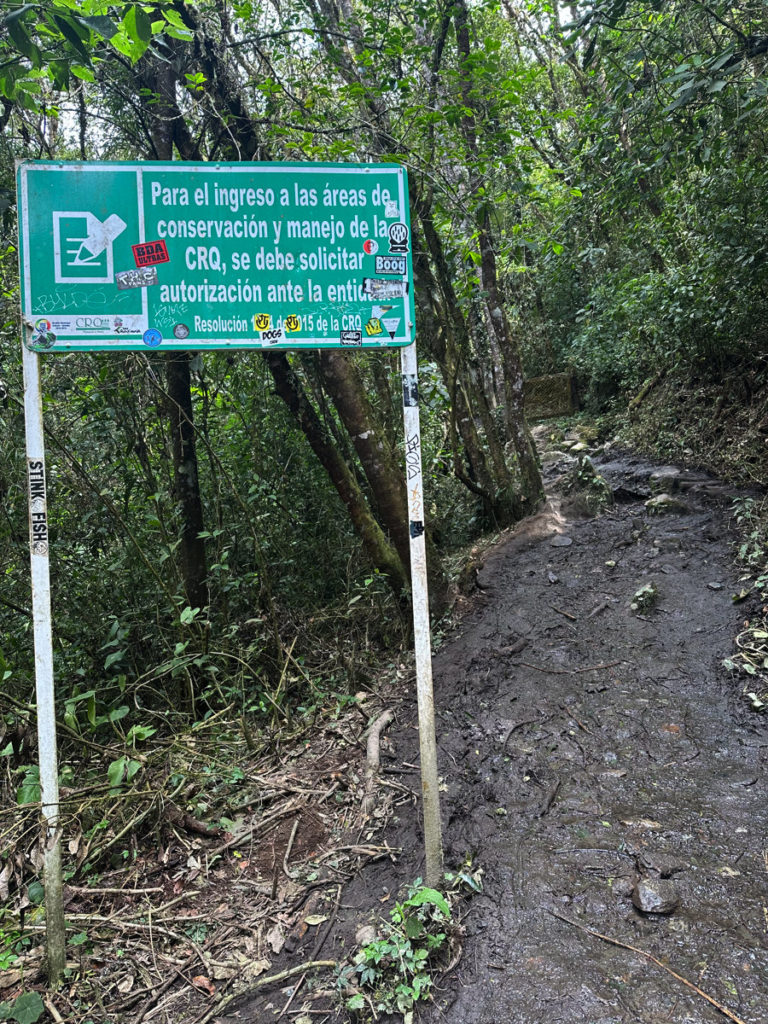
(718, 425)
(191, 862)
(396, 966)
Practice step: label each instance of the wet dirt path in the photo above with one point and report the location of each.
(592, 753)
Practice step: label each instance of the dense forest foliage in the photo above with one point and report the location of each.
(588, 190)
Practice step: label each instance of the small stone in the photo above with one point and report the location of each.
(624, 885)
(561, 541)
(715, 586)
(665, 479)
(665, 503)
(655, 896)
(553, 578)
(365, 934)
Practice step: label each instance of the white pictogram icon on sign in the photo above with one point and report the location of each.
(82, 247)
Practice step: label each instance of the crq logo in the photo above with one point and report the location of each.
(92, 323)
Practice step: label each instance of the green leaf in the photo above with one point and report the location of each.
(356, 1002)
(139, 733)
(116, 771)
(427, 895)
(138, 25)
(36, 893)
(28, 1008)
(176, 28)
(14, 16)
(101, 25)
(29, 790)
(75, 35)
(413, 927)
(24, 44)
(112, 658)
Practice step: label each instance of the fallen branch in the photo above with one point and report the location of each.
(171, 980)
(514, 728)
(561, 612)
(288, 849)
(649, 956)
(310, 965)
(373, 759)
(549, 799)
(599, 608)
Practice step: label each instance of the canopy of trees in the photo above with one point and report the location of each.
(588, 189)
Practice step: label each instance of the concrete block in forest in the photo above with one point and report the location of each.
(549, 396)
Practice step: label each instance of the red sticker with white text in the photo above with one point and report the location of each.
(147, 254)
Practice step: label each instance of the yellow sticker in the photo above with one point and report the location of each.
(262, 321)
(373, 326)
(292, 322)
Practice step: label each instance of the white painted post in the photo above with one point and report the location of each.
(43, 638)
(433, 839)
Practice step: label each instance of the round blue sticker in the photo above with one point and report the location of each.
(152, 337)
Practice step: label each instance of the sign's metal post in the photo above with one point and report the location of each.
(430, 786)
(43, 638)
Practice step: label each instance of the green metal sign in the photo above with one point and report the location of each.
(204, 255)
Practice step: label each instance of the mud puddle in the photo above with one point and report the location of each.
(601, 767)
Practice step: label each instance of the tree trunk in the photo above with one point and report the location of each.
(186, 485)
(158, 80)
(383, 470)
(531, 486)
(381, 552)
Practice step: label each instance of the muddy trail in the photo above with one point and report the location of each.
(601, 767)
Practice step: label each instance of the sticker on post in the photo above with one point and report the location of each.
(82, 247)
(373, 327)
(38, 513)
(378, 289)
(148, 254)
(416, 529)
(292, 323)
(141, 277)
(391, 208)
(351, 337)
(262, 322)
(181, 331)
(391, 265)
(371, 246)
(410, 390)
